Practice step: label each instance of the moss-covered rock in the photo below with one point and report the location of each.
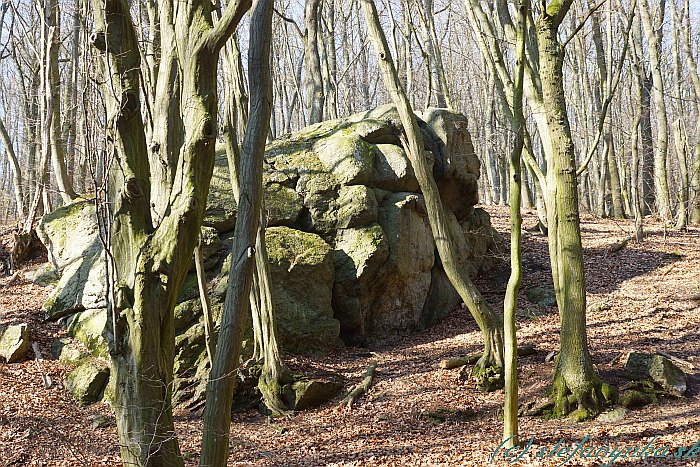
(356, 207)
(542, 295)
(301, 265)
(66, 351)
(632, 398)
(69, 233)
(398, 309)
(359, 256)
(393, 170)
(87, 382)
(456, 167)
(44, 275)
(14, 342)
(88, 327)
(282, 205)
(315, 392)
(221, 209)
(658, 369)
(347, 156)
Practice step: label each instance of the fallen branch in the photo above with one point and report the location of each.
(38, 358)
(471, 359)
(678, 361)
(361, 388)
(617, 246)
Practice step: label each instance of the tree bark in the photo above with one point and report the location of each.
(217, 413)
(151, 248)
(574, 374)
(488, 372)
(510, 305)
(16, 170)
(313, 80)
(654, 35)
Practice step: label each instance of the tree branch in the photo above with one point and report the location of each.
(222, 30)
(582, 23)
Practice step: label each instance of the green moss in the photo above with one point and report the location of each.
(488, 378)
(609, 393)
(190, 288)
(308, 248)
(282, 204)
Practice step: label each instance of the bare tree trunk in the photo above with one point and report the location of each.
(449, 241)
(510, 305)
(654, 35)
(217, 414)
(313, 80)
(16, 171)
(58, 152)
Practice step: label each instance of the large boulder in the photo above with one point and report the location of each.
(87, 382)
(351, 251)
(71, 237)
(301, 265)
(14, 342)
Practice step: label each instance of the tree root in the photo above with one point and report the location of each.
(450, 363)
(361, 388)
(583, 402)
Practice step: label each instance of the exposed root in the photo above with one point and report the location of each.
(584, 402)
(361, 388)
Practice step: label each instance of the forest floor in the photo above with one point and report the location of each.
(644, 289)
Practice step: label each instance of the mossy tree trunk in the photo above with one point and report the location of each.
(576, 384)
(217, 413)
(155, 217)
(449, 240)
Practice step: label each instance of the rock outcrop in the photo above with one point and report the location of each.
(351, 251)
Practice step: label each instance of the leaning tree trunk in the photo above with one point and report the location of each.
(576, 385)
(449, 241)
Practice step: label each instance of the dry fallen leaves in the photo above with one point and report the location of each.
(639, 285)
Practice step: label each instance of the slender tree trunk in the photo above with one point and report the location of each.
(58, 152)
(510, 305)
(261, 300)
(448, 238)
(680, 142)
(313, 80)
(16, 171)
(653, 35)
(217, 414)
(574, 374)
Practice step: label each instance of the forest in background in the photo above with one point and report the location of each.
(448, 54)
(572, 107)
